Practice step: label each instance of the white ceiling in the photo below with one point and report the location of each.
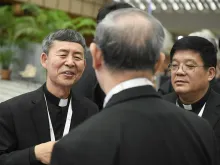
(183, 16)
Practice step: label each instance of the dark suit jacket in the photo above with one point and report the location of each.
(137, 127)
(24, 124)
(211, 112)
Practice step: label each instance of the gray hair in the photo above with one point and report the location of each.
(130, 39)
(63, 35)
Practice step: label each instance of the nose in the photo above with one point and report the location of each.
(180, 70)
(70, 61)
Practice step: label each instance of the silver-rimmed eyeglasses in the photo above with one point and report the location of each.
(185, 67)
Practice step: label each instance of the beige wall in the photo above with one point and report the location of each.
(79, 7)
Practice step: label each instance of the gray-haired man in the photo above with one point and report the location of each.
(30, 124)
(136, 126)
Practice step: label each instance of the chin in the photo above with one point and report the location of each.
(68, 83)
(181, 90)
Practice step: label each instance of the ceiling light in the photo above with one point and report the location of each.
(163, 6)
(213, 6)
(142, 6)
(200, 6)
(175, 6)
(152, 5)
(187, 6)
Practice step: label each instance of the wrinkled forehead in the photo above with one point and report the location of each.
(66, 45)
(187, 55)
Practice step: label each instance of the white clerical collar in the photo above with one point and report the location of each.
(187, 106)
(126, 85)
(63, 102)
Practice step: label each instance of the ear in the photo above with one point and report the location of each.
(43, 60)
(97, 58)
(159, 62)
(211, 73)
(84, 65)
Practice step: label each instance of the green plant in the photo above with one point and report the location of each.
(47, 21)
(14, 32)
(17, 31)
(6, 57)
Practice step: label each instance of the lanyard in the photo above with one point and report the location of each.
(201, 111)
(68, 120)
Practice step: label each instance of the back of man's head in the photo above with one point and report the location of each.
(204, 47)
(130, 39)
(110, 7)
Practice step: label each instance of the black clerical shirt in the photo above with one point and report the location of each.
(57, 113)
(197, 106)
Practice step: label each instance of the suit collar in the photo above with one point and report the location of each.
(39, 116)
(132, 93)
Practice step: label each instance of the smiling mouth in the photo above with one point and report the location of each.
(68, 74)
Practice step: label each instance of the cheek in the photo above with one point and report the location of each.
(56, 64)
(80, 66)
(198, 80)
(172, 78)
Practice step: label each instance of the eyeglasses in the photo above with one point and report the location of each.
(185, 67)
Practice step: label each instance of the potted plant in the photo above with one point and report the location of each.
(33, 27)
(12, 35)
(6, 57)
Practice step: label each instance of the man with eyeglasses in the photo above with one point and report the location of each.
(192, 67)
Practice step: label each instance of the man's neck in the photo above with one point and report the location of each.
(60, 92)
(193, 97)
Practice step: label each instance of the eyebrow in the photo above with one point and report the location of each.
(63, 50)
(185, 61)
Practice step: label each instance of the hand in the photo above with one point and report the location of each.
(43, 152)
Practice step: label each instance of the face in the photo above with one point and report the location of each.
(190, 75)
(64, 63)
